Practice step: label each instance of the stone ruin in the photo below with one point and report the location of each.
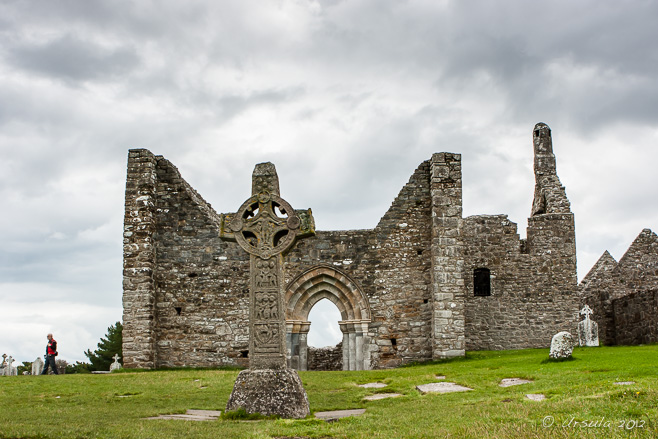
(624, 295)
(425, 283)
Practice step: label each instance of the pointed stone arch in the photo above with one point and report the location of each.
(326, 282)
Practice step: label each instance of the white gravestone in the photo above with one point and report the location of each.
(588, 330)
(561, 346)
(37, 366)
(116, 365)
(10, 370)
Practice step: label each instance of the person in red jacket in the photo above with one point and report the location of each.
(51, 353)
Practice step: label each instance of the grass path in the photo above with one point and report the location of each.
(579, 391)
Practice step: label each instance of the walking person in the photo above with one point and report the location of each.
(51, 353)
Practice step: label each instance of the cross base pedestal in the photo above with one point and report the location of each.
(270, 392)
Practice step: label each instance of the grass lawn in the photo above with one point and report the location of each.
(578, 391)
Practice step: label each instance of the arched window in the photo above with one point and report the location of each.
(481, 282)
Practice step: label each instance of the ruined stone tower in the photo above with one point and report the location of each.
(425, 283)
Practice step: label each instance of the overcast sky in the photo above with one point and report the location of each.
(347, 98)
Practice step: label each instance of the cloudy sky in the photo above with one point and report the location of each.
(347, 98)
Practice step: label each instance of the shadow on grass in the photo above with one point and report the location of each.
(559, 360)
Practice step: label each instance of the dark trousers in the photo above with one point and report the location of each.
(50, 361)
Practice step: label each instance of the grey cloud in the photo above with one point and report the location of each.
(71, 58)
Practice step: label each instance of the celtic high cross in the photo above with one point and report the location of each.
(266, 226)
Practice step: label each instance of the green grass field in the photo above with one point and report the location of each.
(578, 391)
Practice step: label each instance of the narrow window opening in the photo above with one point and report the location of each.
(425, 300)
(192, 275)
(394, 341)
(244, 354)
(482, 282)
(536, 133)
(420, 252)
(178, 310)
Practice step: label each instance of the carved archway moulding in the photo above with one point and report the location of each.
(325, 282)
(307, 289)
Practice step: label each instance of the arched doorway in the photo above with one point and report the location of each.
(308, 288)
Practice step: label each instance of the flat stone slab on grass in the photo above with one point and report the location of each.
(536, 396)
(507, 382)
(442, 387)
(193, 415)
(624, 383)
(337, 414)
(379, 396)
(440, 377)
(373, 385)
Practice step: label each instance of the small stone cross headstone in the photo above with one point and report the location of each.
(588, 330)
(9, 369)
(266, 226)
(116, 365)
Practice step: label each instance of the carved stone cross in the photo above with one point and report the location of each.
(266, 226)
(586, 311)
(116, 358)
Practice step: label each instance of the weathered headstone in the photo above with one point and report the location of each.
(3, 364)
(9, 369)
(266, 226)
(561, 346)
(116, 365)
(588, 329)
(37, 366)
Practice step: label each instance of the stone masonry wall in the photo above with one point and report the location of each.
(391, 264)
(201, 281)
(519, 313)
(139, 261)
(326, 358)
(448, 292)
(636, 318)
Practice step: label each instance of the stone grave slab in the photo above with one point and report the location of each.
(192, 415)
(442, 387)
(379, 396)
(624, 383)
(337, 414)
(507, 382)
(373, 385)
(535, 396)
(440, 377)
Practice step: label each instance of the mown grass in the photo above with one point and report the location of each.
(115, 405)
